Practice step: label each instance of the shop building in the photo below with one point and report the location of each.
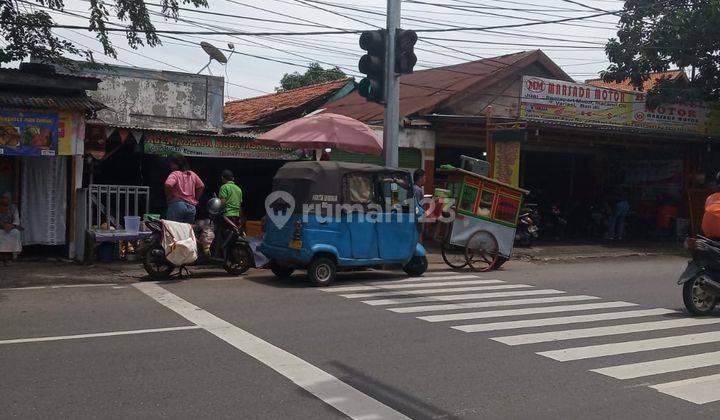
(43, 116)
(574, 146)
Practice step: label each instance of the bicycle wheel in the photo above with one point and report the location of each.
(482, 251)
(453, 255)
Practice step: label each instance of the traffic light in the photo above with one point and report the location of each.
(372, 64)
(405, 58)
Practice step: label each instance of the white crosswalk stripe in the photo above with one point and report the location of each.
(656, 367)
(394, 286)
(543, 322)
(438, 297)
(517, 340)
(432, 291)
(612, 349)
(527, 311)
(494, 303)
(468, 296)
(696, 390)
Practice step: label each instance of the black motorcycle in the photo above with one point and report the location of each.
(527, 229)
(229, 248)
(701, 278)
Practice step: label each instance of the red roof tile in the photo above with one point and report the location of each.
(426, 90)
(275, 106)
(647, 85)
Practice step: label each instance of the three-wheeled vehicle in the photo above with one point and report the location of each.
(329, 216)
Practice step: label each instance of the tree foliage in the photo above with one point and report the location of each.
(315, 74)
(26, 26)
(657, 35)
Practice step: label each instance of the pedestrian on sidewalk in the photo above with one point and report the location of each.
(183, 189)
(10, 240)
(616, 226)
(232, 196)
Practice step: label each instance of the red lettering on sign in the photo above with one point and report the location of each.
(535, 85)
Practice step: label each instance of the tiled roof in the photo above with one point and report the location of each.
(647, 85)
(282, 105)
(427, 90)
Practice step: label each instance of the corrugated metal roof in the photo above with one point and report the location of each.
(426, 90)
(75, 102)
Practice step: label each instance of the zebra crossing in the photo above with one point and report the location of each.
(511, 314)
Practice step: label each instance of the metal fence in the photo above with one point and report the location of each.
(111, 203)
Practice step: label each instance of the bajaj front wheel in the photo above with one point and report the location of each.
(416, 266)
(698, 301)
(322, 271)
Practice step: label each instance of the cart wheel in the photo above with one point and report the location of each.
(482, 251)
(453, 255)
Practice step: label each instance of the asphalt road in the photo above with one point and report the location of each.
(530, 341)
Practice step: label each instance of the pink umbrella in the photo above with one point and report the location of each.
(326, 130)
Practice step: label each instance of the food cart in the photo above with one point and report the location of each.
(482, 233)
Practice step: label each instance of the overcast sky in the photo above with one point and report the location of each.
(260, 61)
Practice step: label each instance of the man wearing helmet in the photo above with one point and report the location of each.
(711, 218)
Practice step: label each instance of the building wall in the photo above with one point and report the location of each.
(159, 99)
(504, 96)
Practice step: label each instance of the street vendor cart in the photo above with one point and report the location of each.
(482, 233)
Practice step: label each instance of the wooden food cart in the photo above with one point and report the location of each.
(482, 233)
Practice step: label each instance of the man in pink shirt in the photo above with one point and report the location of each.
(183, 189)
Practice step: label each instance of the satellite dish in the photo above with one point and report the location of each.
(214, 53)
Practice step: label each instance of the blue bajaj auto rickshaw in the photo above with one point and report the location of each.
(330, 216)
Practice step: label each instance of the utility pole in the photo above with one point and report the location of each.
(391, 126)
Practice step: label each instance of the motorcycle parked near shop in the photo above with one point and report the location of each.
(527, 230)
(701, 278)
(229, 248)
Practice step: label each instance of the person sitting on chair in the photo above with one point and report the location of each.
(10, 240)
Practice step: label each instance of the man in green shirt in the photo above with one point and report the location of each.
(232, 196)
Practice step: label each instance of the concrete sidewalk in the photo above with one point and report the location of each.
(564, 252)
(33, 273)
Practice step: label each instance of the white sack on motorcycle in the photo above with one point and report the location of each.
(179, 243)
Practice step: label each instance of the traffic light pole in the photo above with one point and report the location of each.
(391, 126)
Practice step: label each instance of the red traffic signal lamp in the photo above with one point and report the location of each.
(372, 64)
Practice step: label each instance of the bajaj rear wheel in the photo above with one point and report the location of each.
(698, 301)
(322, 271)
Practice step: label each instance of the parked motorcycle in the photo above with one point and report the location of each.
(527, 229)
(701, 278)
(229, 249)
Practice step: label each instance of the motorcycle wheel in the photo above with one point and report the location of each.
(697, 301)
(156, 265)
(239, 261)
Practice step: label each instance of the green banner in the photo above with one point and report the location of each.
(218, 147)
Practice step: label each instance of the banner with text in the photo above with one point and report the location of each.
(28, 133)
(199, 146)
(557, 100)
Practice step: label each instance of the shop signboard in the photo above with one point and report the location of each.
(28, 133)
(226, 147)
(557, 100)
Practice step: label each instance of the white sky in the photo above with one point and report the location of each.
(579, 50)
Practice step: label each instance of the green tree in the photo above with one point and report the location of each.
(314, 74)
(26, 26)
(658, 35)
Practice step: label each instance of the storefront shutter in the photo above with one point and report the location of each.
(409, 158)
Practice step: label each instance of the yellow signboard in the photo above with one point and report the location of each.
(557, 100)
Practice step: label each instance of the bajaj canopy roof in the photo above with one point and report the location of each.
(323, 181)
